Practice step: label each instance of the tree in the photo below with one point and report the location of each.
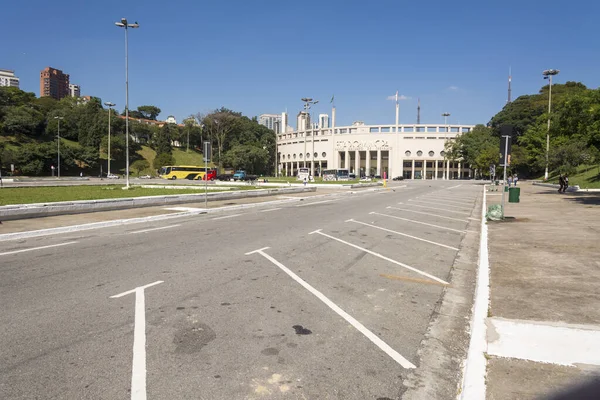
(250, 158)
(162, 138)
(149, 112)
(163, 159)
(479, 148)
(219, 125)
(22, 120)
(140, 165)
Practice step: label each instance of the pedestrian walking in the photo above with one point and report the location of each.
(561, 182)
(515, 179)
(566, 184)
(510, 180)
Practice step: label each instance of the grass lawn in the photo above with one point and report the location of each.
(587, 177)
(192, 157)
(46, 194)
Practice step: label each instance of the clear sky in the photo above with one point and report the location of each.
(262, 56)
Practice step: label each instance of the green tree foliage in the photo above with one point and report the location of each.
(248, 157)
(228, 130)
(163, 137)
(22, 120)
(574, 128)
(478, 148)
(149, 112)
(140, 165)
(163, 159)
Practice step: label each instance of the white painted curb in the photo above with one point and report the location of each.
(473, 385)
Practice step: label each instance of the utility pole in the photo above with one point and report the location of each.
(109, 104)
(58, 144)
(548, 74)
(446, 168)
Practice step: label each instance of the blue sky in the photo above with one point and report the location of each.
(263, 56)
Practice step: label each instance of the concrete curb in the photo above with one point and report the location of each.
(575, 188)
(160, 217)
(37, 210)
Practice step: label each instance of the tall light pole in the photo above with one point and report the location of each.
(277, 126)
(109, 105)
(126, 25)
(308, 103)
(58, 143)
(445, 115)
(548, 74)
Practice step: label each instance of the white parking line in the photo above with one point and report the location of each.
(402, 234)
(439, 209)
(226, 216)
(155, 229)
(270, 209)
(450, 200)
(314, 202)
(418, 271)
(184, 209)
(426, 213)
(453, 187)
(138, 370)
(418, 222)
(440, 204)
(36, 248)
(351, 320)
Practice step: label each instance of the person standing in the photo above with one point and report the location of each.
(515, 179)
(561, 182)
(566, 183)
(509, 180)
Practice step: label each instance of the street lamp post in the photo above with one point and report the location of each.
(58, 143)
(126, 25)
(109, 105)
(308, 103)
(445, 115)
(548, 74)
(277, 126)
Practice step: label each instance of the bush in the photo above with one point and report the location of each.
(163, 159)
(140, 165)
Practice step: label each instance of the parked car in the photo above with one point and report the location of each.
(398, 178)
(351, 176)
(145, 177)
(112, 176)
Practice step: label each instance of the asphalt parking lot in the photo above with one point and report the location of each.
(328, 298)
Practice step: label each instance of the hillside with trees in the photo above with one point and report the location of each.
(574, 133)
(29, 130)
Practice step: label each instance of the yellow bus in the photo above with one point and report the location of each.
(180, 172)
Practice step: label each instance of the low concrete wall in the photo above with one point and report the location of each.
(37, 210)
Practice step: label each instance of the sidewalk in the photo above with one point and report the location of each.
(543, 326)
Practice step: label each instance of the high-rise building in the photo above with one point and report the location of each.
(74, 90)
(53, 83)
(271, 121)
(302, 121)
(323, 121)
(8, 78)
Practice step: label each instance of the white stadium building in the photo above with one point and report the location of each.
(414, 151)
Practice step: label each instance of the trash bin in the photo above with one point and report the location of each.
(513, 194)
(506, 188)
(497, 183)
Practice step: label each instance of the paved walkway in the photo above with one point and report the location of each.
(544, 327)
